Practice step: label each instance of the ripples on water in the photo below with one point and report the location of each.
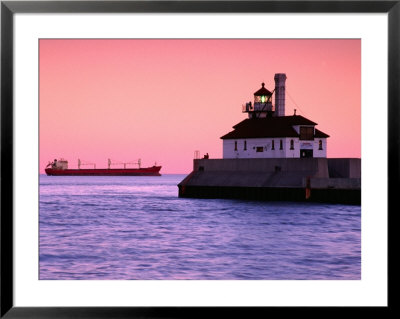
(137, 228)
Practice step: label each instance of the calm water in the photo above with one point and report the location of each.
(137, 228)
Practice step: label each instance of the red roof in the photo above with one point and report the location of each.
(281, 126)
(262, 91)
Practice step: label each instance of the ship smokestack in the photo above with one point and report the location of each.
(280, 79)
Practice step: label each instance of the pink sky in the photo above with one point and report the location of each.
(160, 100)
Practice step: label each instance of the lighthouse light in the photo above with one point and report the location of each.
(262, 98)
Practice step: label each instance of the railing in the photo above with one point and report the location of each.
(248, 107)
(257, 107)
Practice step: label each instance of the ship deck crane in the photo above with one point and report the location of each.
(80, 163)
(110, 162)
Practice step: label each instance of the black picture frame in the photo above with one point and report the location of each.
(9, 8)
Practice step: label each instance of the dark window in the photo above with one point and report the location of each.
(260, 149)
(273, 145)
(291, 145)
(280, 145)
(235, 145)
(320, 145)
(306, 133)
(245, 145)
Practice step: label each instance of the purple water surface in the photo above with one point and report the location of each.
(137, 228)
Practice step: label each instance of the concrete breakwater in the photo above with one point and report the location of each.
(330, 180)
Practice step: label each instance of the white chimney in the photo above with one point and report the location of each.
(280, 79)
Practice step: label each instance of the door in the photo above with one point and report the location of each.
(306, 153)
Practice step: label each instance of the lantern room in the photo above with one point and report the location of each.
(262, 106)
(262, 95)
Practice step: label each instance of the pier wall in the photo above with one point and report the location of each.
(344, 167)
(327, 180)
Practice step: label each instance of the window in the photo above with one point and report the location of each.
(291, 145)
(235, 145)
(273, 145)
(259, 149)
(245, 146)
(320, 145)
(280, 145)
(306, 133)
(261, 98)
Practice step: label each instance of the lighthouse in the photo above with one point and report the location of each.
(276, 157)
(262, 105)
(269, 133)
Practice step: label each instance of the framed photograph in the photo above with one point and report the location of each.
(176, 158)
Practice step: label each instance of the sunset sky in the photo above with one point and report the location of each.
(161, 100)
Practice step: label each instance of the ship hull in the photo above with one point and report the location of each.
(148, 171)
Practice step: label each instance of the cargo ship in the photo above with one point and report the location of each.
(60, 168)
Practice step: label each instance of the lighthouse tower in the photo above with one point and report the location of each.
(269, 133)
(262, 106)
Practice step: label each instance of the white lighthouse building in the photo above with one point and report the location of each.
(269, 133)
